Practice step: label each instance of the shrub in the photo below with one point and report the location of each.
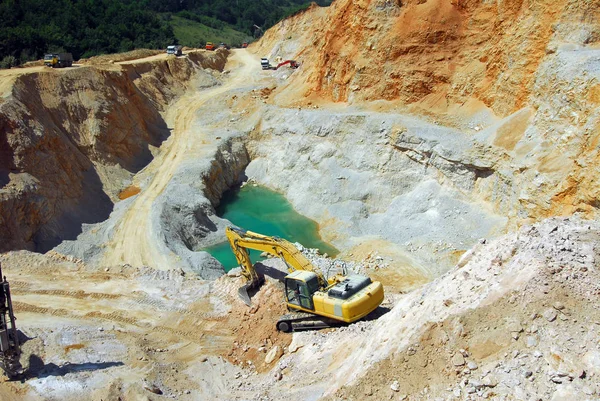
(9, 61)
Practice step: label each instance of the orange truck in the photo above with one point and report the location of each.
(210, 46)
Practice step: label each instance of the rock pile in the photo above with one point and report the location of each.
(517, 321)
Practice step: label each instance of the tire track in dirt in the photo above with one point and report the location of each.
(143, 301)
(201, 331)
(80, 294)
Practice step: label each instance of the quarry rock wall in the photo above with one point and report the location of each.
(67, 136)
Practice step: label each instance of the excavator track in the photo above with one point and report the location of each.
(298, 321)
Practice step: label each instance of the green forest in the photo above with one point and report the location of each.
(31, 28)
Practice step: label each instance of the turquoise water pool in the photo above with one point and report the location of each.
(261, 210)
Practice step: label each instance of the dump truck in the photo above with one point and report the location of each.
(174, 49)
(210, 46)
(58, 60)
(265, 64)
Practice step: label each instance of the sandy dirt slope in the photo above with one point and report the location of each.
(133, 242)
(7, 78)
(440, 53)
(135, 334)
(84, 335)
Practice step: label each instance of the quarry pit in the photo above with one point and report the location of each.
(475, 206)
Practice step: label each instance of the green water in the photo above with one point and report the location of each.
(265, 212)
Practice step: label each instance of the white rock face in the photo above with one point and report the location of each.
(364, 177)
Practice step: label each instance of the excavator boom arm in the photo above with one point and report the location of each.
(292, 64)
(242, 240)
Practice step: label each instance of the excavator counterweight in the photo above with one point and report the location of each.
(327, 301)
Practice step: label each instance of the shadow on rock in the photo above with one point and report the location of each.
(4, 177)
(93, 206)
(23, 338)
(269, 271)
(6, 157)
(377, 313)
(38, 369)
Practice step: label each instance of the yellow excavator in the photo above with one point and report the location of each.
(316, 301)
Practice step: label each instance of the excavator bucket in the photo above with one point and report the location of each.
(250, 288)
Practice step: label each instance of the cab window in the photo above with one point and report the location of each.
(298, 294)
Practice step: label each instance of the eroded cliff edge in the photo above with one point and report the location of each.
(71, 139)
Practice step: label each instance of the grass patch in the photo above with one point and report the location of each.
(194, 34)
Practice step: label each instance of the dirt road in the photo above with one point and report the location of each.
(135, 241)
(8, 76)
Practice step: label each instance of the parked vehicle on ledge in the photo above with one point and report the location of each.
(58, 60)
(174, 50)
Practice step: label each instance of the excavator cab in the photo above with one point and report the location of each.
(299, 289)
